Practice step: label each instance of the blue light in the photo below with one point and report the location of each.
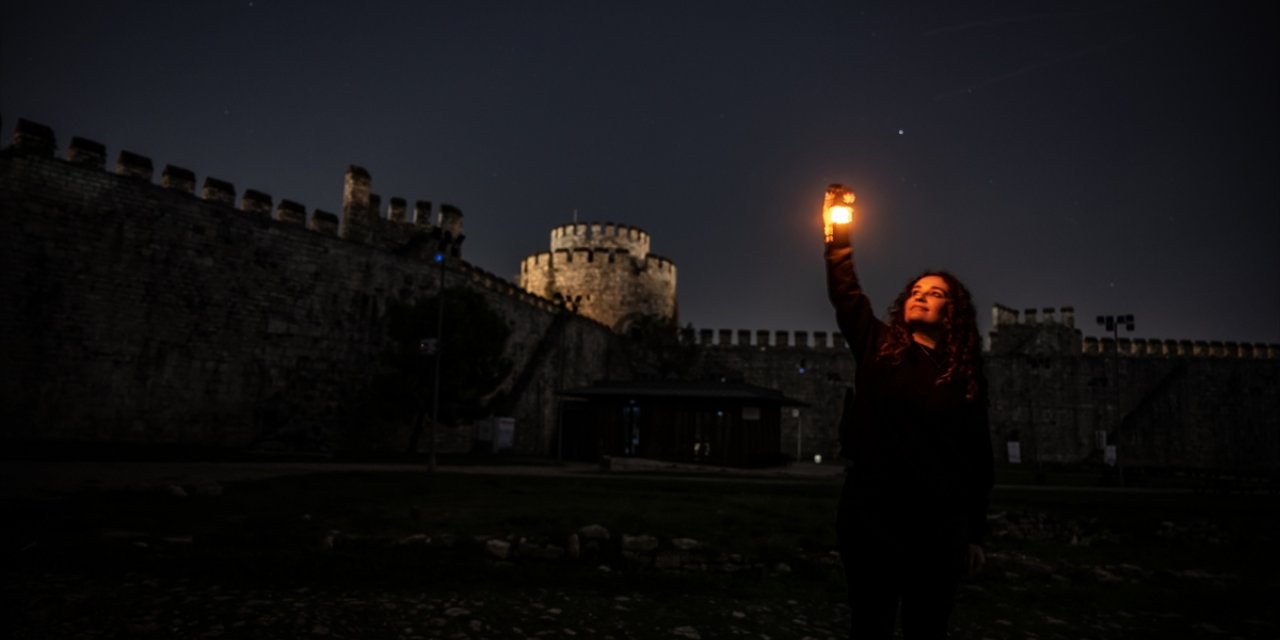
(439, 257)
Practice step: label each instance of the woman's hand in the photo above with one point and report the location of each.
(976, 559)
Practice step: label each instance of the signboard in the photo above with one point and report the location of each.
(1015, 452)
(504, 433)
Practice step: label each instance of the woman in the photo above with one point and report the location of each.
(913, 511)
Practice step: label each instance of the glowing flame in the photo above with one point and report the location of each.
(841, 214)
(837, 208)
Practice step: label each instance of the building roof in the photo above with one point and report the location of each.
(686, 390)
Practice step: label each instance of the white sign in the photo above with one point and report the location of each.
(505, 433)
(1015, 452)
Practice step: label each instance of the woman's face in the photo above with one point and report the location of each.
(928, 302)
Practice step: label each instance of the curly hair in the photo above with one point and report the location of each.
(961, 345)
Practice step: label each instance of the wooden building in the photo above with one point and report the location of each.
(717, 423)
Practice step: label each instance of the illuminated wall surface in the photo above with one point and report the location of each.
(162, 310)
(606, 271)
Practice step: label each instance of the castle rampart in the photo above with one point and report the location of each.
(1179, 403)
(1052, 390)
(145, 313)
(761, 338)
(362, 219)
(1008, 330)
(153, 313)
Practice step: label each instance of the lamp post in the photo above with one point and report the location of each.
(1114, 324)
(435, 391)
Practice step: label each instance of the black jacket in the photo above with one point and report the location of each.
(919, 452)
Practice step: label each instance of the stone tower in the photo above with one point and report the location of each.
(604, 270)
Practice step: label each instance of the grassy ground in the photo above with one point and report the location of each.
(401, 554)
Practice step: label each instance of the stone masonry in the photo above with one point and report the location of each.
(184, 312)
(605, 271)
(139, 312)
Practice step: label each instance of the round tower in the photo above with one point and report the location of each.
(605, 271)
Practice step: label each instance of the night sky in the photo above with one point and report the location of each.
(1118, 157)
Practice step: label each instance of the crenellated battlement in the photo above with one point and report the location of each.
(362, 219)
(600, 235)
(604, 258)
(1013, 333)
(605, 272)
(1140, 347)
(1035, 319)
(243, 320)
(761, 338)
(1002, 315)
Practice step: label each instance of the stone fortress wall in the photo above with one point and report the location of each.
(817, 371)
(605, 271)
(149, 313)
(1162, 403)
(1059, 394)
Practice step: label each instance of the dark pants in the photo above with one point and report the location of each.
(896, 561)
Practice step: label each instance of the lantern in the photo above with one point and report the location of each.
(837, 209)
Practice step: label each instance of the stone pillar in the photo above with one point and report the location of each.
(451, 226)
(254, 201)
(137, 166)
(179, 179)
(324, 222)
(1001, 314)
(34, 138)
(220, 191)
(88, 153)
(688, 336)
(356, 187)
(1069, 316)
(397, 211)
(422, 214)
(291, 212)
